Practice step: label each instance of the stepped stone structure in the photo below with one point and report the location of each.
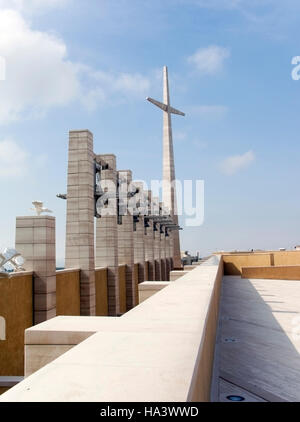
(35, 241)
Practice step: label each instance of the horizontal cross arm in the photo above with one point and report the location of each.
(174, 111)
(164, 107)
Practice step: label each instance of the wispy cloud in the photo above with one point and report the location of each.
(272, 17)
(32, 6)
(107, 88)
(13, 160)
(235, 163)
(209, 60)
(16, 162)
(39, 74)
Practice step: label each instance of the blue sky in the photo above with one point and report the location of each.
(73, 64)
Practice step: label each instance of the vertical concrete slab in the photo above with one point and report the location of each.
(149, 240)
(156, 230)
(163, 249)
(168, 257)
(171, 233)
(125, 240)
(80, 215)
(107, 233)
(35, 240)
(139, 235)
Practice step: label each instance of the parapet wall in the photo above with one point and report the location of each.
(16, 315)
(16, 308)
(161, 350)
(234, 262)
(68, 292)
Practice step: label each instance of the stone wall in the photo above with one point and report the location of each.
(68, 292)
(101, 292)
(16, 294)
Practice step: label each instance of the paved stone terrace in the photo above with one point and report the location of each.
(258, 348)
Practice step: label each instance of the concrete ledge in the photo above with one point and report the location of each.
(47, 341)
(280, 272)
(174, 275)
(67, 270)
(161, 350)
(17, 274)
(67, 330)
(149, 288)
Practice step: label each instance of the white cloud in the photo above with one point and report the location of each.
(209, 60)
(234, 163)
(13, 160)
(39, 74)
(108, 88)
(32, 6)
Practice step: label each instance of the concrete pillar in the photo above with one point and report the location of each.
(139, 235)
(163, 250)
(163, 255)
(168, 257)
(107, 233)
(35, 241)
(149, 241)
(171, 233)
(80, 216)
(125, 241)
(156, 232)
(157, 258)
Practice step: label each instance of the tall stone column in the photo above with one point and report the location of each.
(107, 233)
(156, 232)
(80, 216)
(163, 250)
(149, 241)
(35, 241)
(139, 235)
(157, 257)
(168, 257)
(163, 257)
(171, 250)
(125, 240)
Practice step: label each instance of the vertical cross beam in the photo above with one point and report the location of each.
(169, 189)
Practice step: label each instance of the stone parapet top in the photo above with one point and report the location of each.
(20, 274)
(36, 217)
(80, 131)
(68, 270)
